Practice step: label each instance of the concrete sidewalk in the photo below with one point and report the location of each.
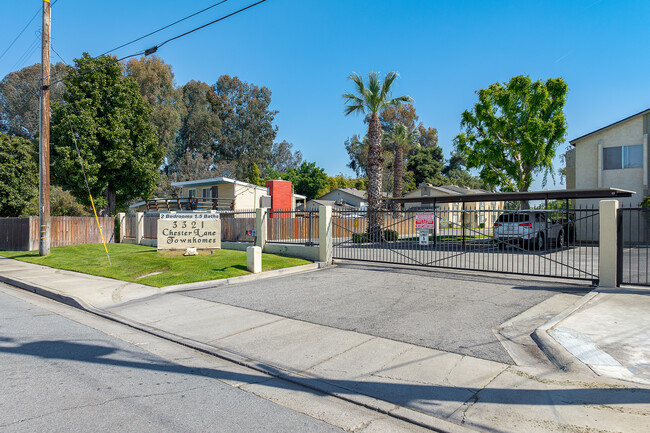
(608, 331)
(441, 390)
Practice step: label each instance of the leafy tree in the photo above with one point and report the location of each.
(188, 167)
(247, 130)
(427, 164)
(428, 137)
(62, 203)
(18, 174)
(200, 124)
(401, 140)
(357, 149)
(373, 98)
(513, 131)
(156, 83)
(308, 179)
(456, 162)
(254, 175)
(282, 158)
(463, 178)
(19, 99)
(107, 117)
(404, 114)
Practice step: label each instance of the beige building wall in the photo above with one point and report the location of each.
(589, 171)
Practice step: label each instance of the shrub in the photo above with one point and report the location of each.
(359, 238)
(390, 235)
(481, 226)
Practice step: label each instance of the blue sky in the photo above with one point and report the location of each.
(304, 50)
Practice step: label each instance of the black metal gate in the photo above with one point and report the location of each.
(633, 246)
(549, 243)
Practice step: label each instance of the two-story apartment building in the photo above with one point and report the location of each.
(613, 156)
(481, 213)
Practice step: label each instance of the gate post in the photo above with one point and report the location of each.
(607, 243)
(139, 227)
(121, 220)
(261, 226)
(325, 234)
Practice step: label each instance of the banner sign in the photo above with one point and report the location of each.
(425, 220)
(189, 216)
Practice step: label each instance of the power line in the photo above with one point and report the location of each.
(152, 50)
(203, 26)
(23, 30)
(165, 27)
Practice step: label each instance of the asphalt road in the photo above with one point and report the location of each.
(450, 311)
(60, 375)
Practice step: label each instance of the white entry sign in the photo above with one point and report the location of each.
(202, 232)
(424, 236)
(425, 220)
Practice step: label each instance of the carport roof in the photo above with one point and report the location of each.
(563, 194)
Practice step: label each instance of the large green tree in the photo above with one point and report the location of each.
(308, 179)
(19, 99)
(513, 131)
(247, 132)
(156, 83)
(107, 117)
(283, 158)
(372, 98)
(18, 174)
(400, 140)
(427, 164)
(200, 124)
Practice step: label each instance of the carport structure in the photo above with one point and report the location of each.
(548, 242)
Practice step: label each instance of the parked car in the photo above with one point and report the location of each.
(532, 229)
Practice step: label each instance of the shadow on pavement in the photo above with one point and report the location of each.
(398, 393)
(513, 281)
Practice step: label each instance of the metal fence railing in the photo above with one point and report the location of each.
(238, 226)
(633, 246)
(544, 242)
(292, 227)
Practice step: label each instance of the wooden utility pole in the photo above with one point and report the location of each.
(44, 139)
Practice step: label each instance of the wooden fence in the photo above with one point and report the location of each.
(22, 234)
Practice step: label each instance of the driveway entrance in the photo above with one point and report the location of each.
(445, 310)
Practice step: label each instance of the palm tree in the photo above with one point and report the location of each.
(401, 140)
(371, 100)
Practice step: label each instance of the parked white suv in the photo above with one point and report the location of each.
(531, 228)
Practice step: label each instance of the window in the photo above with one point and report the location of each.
(623, 157)
(633, 156)
(191, 193)
(206, 192)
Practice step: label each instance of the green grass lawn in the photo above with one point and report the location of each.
(133, 262)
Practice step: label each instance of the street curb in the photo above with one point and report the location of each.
(558, 355)
(402, 413)
(200, 285)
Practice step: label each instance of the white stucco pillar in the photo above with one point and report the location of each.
(121, 220)
(254, 259)
(325, 234)
(261, 226)
(139, 227)
(607, 243)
